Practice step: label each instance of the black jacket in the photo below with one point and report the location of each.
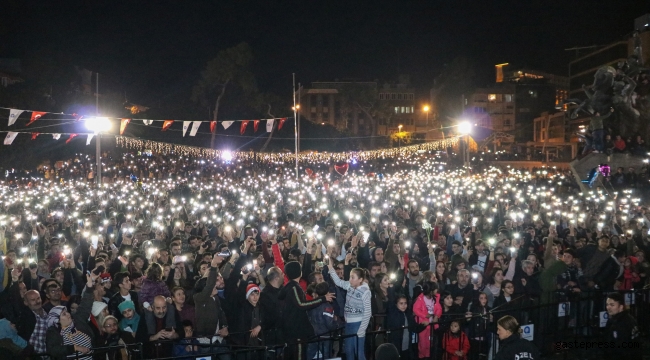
(607, 274)
(517, 348)
(272, 308)
(395, 320)
(296, 323)
(467, 292)
(620, 332)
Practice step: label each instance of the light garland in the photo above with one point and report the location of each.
(311, 157)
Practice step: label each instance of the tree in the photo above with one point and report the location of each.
(231, 67)
(364, 98)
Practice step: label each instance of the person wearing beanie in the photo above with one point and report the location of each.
(69, 334)
(98, 311)
(130, 318)
(251, 320)
(296, 323)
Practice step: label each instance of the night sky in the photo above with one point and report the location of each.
(157, 48)
(153, 51)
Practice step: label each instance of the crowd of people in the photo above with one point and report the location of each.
(176, 256)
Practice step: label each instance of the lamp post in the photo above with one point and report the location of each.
(98, 125)
(464, 128)
(399, 136)
(426, 109)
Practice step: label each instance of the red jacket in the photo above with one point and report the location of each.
(279, 262)
(452, 343)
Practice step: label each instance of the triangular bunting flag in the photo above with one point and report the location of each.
(256, 124)
(90, 137)
(195, 127)
(10, 137)
(281, 123)
(72, 136)
(13, 115)
(56, 136)
(147, 122)
(242, 128)
(167, 124)
(35, 135)
(226, 124)
(77, 117)
(123, 125)
(186, 125)
(35, 116)
(213, 126)
(269, 125)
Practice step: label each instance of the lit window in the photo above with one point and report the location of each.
(403, 109)
(492, 97)
(508, 97)
(396, 109)
(411, 109)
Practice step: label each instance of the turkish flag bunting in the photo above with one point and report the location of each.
(77, 117)
(213, 126)
(256, 123)
(123, 125)
(242, 129)
(72, 136)
(35, 135)
(167, 124)
(35, 116)
(281, 123)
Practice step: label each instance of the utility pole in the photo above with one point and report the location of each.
(98, 141)
(295, 119)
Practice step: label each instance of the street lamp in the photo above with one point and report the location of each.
(399, 136)
(426, 109)
(98, 125)
(464, 128)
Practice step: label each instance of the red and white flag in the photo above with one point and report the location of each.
(11, 136)
(72, 136)
(35, 116)
(167, 124)
(35, 135)
(281, 123)
(226, 124)
(123, 125)
(56, 136)
(213, 126)
(242, 128)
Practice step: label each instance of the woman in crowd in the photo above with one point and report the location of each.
(358, 310)
(69, 334)
(511, 345)
(153, 285)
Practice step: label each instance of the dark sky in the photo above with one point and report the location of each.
(155, 49)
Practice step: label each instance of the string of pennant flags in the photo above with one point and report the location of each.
(14, 114)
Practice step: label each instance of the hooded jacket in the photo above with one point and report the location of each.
(208, 309)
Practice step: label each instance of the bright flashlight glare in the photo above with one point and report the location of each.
(464, 127)
(226, 155)
(98, 124)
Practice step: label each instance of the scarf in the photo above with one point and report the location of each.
(134, 321)
(7, 332)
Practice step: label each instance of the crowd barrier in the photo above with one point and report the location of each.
(579, 318)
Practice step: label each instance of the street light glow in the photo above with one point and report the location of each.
(98, 124)
(464, 127)
(426, 108)
(226, 155)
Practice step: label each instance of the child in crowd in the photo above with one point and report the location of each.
(455, 342)
(324, 322)
(187, 345)
(400, 316)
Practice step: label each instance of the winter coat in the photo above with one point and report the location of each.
(151, 289)
(295, 321)
(622, 330)
(322, 319)
(421, 315)
(516, 348)
(207, 310)
(452, 343)
(396, 320)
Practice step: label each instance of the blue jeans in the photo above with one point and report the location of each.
(354, 346)
(599, 139)
(324, 346)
